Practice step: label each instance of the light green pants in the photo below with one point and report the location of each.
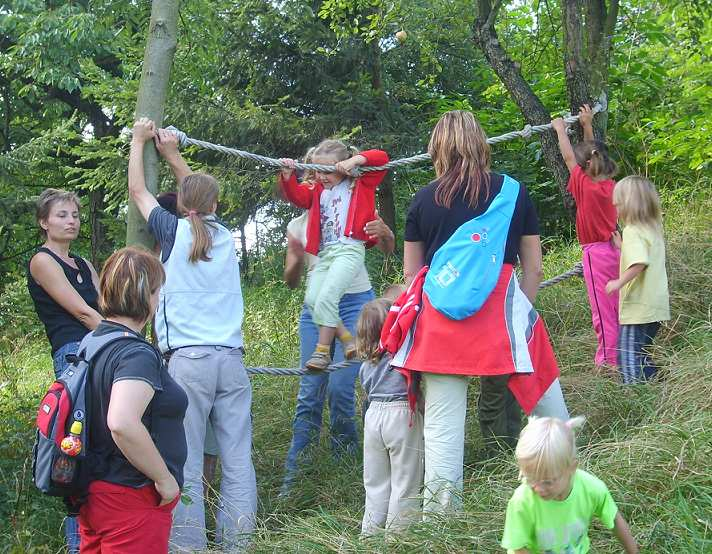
(329, 280)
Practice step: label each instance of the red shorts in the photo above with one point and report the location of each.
(116, 519)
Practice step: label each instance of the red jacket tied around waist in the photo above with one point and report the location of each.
(362, 207)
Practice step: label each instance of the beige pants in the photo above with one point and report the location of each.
(392, 466)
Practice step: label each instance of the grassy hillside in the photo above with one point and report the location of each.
(650, 443)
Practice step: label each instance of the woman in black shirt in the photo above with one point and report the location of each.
(63, 288)
(504, 341)
(137, 419)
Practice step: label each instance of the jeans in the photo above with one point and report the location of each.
(218, 388)
(71, 524)
(336, 386)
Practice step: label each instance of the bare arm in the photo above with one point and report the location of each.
(293, 262)
(586, 121)
(167, 146)
(380, 232)
(128, 401)
(567, 151)
(49, 275)
(624, 536)
(143, 131)
(413, 260)
(531, 264)
(628, 275)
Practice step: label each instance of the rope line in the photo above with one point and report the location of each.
(573, 272)
(526, 132)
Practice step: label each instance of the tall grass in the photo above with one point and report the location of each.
(650, 443)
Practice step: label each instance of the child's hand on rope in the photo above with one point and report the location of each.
(143, 130)
(585, 116)
(288, 167)
(347, 166)
(559, 125)
(166, 143)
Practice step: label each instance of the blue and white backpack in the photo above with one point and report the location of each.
(465, 269)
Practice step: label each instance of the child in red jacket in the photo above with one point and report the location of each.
(339, 207)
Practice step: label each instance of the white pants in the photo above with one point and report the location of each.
(444, 433)
(392, 466)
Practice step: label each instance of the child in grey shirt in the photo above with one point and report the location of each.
(392, 437)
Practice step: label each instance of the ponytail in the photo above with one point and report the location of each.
(592, 156)
(197, 196)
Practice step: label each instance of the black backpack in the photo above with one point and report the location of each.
(68, 401)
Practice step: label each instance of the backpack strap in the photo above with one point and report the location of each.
(91, 346)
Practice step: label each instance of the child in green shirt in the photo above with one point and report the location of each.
(551, 510)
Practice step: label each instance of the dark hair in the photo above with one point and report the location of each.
(128, 279)
(168, 201)
(49, 198)
(592, 156)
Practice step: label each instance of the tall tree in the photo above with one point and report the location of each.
(588, 26)
(153, 89)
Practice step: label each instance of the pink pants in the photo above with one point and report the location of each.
(601, 263)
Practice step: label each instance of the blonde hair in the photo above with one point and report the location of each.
(638, 202)
(333, 149)
(49, 198)
(128, 279)
(547, 447)
(197, 194)
(461, 158)
(309, 174)
(368, 328)
(592, 156)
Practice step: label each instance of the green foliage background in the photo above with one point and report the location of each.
(277, 77)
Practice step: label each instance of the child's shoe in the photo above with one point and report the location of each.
(320, 358)
(348, 345)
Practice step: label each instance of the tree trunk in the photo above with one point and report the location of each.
(244, 255)
(386, 202)
(586, 64)
(152, 92)
(535, 113)
(587, 49)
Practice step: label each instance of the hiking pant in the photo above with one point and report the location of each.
(601, 263)
(218, 388)
(329, 280)
(444, 429)
(392, 466)
(635, 363)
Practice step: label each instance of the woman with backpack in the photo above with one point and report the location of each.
(504, 341)
(199, 324)
(135, 418)
(63, 287)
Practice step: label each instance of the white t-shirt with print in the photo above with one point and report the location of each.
(334, 211)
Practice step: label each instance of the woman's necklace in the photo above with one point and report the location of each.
(71, 262)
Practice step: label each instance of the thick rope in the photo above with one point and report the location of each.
(526, 132)
(574, 272)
